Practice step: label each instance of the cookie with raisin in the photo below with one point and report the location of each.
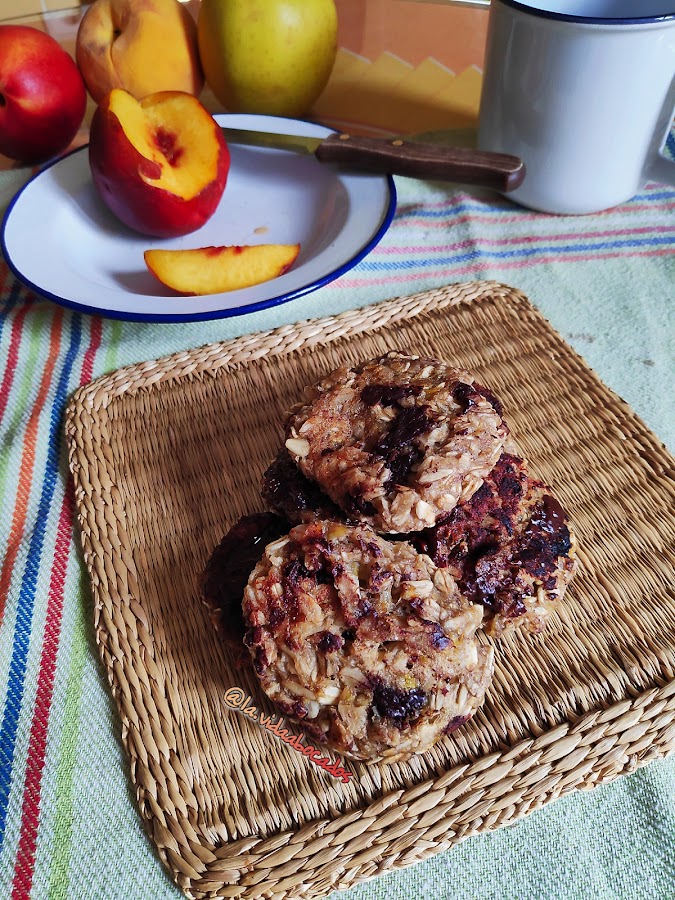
(396, 442)
(364, 641)
(510, 547)
(290, 493)
(228, 568)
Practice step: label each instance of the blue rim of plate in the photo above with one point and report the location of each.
(588, 20)
(193, 317)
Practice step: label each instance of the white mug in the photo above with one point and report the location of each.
(583, 92)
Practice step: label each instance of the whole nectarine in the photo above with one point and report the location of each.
(161, 163)
(142, 46)
(42, 95)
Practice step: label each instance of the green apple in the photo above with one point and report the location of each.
(267, 56)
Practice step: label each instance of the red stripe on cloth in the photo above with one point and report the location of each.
(521, 213)
(12, 358)
(37, 747)
(525, 240)
(28, 461)
(453, 216)
(479, 267)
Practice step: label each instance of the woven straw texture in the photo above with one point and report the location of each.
(167, 454)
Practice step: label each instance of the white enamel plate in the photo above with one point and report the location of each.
(60, 240)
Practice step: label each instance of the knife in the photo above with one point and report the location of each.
(395, 156)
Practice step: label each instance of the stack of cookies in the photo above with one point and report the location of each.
(402, 524)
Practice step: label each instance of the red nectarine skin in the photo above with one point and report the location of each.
(217, 251)
(42, 95)
(117, 169)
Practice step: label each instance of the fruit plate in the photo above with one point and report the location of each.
(59, 239)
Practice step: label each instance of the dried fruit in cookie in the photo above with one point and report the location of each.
(510, 547)
(364, 641)
(398, 441)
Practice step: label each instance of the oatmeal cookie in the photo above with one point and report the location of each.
(510, 547)
(398, 441)
(291, 493)
(364, 641)
(228, 568)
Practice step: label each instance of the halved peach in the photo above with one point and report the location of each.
(212, 270)
(161, 163)
(143, 46)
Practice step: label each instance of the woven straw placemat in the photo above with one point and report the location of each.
(167, 454)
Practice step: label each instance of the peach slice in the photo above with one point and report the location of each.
(159, 164)
(212, 270)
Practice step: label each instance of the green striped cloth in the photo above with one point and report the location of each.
(69, 827)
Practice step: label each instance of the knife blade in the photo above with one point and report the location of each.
(396, 156)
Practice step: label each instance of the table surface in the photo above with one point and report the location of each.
(69, 827)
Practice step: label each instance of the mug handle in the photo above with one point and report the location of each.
(659, 167)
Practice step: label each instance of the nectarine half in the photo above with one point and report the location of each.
(161, 163)
(212, 270)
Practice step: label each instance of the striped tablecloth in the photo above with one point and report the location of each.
(68, 824)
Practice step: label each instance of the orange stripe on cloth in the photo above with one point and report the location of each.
(28, 462)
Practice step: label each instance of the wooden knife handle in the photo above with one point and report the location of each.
(498, 171)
